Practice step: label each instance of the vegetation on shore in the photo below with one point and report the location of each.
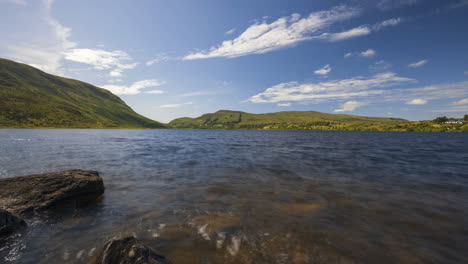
(30, 98)
(310, 120)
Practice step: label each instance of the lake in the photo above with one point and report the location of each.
(232, 196)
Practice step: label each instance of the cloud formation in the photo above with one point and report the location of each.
(331, 90)
(461, 102)
(159, 58)
(350, 106)
(49, 54)
(352, 33)
(417, 102)
(101, 59)
(175, 105)
(417, 64)
(134, 88)
(230, 32)
(388, 23)
(286, 31)
(368, 53)
(324, 70)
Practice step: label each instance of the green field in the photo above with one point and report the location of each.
(310, 120)
(30, 98)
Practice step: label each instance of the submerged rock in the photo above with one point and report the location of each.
(38, 192)
(128, 250)
(9, 224)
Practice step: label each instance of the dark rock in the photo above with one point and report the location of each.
(35, 193)
(128, 250)
(9, 224)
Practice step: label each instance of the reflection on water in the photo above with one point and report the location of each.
(203, 196)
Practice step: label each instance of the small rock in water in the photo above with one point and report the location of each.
(91, 252)
(128, 250)
(39, 192)
(9, 224)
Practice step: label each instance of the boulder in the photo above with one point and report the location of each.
(9, 224)
(128, 250)
(39, 192)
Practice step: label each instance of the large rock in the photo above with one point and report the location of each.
(128, 250)
(39, 192)
(9, 224)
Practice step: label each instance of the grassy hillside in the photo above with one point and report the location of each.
(31, 98)
(308, 120)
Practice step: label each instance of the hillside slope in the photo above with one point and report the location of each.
(282, 120)
(31, 98)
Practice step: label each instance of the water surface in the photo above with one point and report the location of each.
(230, 196)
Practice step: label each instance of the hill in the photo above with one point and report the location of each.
(282, 120)
(31, 98)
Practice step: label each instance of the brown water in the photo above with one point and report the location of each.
(204, 196)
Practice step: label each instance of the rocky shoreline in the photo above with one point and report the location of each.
(35, 195)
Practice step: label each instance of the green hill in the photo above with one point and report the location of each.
(282, 120)
(30, 98)
(311, 120)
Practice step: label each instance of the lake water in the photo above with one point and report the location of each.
(221, 196)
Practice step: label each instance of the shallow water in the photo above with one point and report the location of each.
(221, 196)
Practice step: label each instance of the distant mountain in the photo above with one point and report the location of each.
(30, 98)
(284, 120)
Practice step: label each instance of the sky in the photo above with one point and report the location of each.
(178, 58)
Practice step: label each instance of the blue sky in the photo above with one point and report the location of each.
(168, 59)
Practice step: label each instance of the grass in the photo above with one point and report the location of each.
(310, 120)
(30, 98)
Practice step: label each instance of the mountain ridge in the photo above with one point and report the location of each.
(31, 98)
(313, 120)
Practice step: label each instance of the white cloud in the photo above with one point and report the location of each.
(461, 102)
(194, 94)
(284, 104)
(352, 33)
(47, 54)
(175, 105)
(368, 53)
(432, 92)
(230, 32)
(324, 70)
(380, 66)
(417, 64)
(102, 59)
(388, 23)
(350, 106)
(134, 88)
(160, 58)
(337, 89)
(417, 102)
(155, 92)
(286, 31)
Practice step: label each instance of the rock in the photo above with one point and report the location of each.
(35, 193)
(9, 224)
(128, 250)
